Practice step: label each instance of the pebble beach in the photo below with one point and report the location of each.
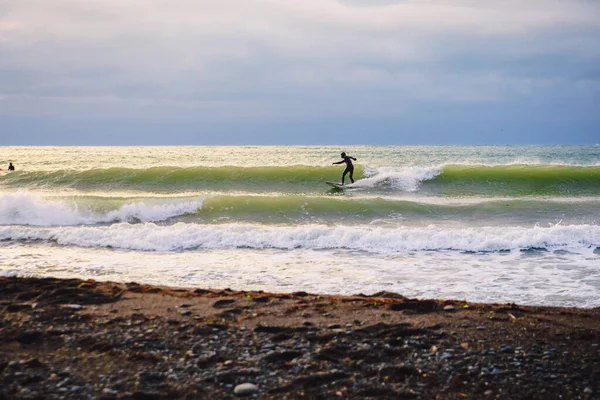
(82, 339)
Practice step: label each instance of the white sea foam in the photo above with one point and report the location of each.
(406, 179)
(184, 236)
(23, 208)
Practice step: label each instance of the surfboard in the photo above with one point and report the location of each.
(336, 185)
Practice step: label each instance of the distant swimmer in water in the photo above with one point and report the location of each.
(349, 166)
(11, 167)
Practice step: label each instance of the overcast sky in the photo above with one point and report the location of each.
(299, 72)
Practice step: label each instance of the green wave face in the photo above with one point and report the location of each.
(174, 179)
(515, 180)
(297, 208)
(452, 180)
(300, 207)
(521, 173)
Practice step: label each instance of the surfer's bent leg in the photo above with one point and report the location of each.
(344, 175)
(351, 175)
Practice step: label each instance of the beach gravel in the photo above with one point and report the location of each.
(131, 341)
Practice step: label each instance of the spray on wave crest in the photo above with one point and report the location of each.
(23, 208)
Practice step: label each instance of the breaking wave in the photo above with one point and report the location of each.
(184, 236)
(23, 208)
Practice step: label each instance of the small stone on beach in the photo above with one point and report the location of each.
(75, 307)
(245, 389)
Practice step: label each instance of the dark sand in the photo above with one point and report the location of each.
(79, 340)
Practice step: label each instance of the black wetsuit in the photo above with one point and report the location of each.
(349, 168)
(11, 167)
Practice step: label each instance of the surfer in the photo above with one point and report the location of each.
(349, 166)
(11, 167)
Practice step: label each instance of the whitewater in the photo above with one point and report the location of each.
(481, 223)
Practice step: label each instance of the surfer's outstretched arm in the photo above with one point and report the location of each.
(339, 162)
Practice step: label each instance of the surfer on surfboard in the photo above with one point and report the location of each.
(349, 166)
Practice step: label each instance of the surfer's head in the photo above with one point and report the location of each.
(343, 154)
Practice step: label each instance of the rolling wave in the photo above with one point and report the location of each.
(168, 178)
(23, 208)
(182, 236)
(290, 208)
(446, 180)
(28, 209)
(520, 173)
(517, 180)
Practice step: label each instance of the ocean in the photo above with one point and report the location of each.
(517, 224)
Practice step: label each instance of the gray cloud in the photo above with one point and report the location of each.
(373, 3)
(310, 59)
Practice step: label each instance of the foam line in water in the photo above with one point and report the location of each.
(182, 236)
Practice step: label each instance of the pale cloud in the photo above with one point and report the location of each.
(297, 58)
